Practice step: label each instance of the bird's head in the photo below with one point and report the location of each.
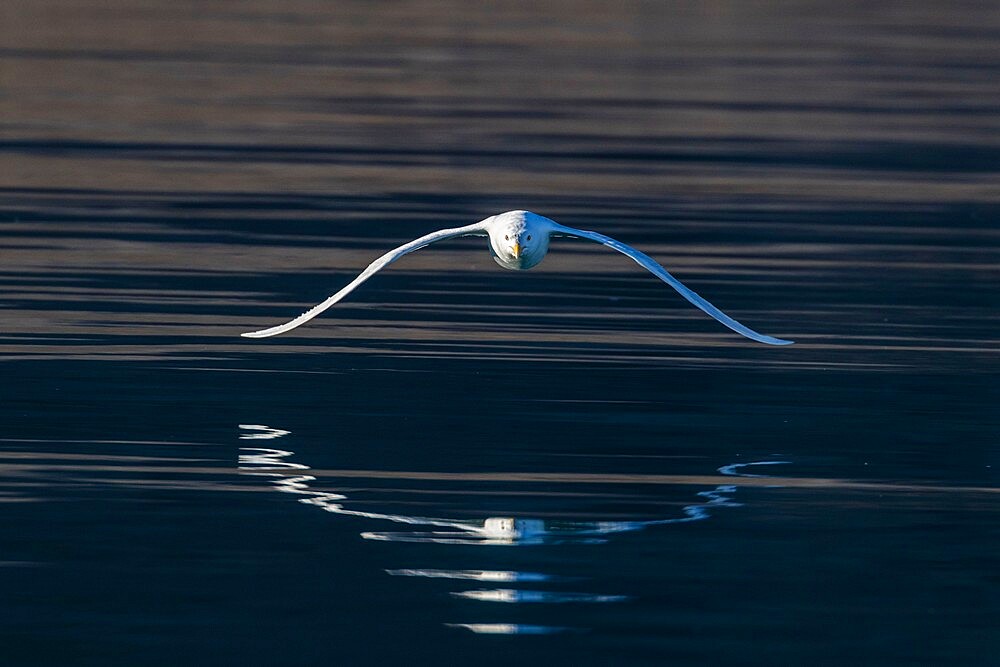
(519, 239)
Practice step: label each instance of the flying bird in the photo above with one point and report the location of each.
(519, 240)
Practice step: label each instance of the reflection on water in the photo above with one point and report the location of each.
(476, 575)
(259, 432)
(490, 531)
(508, 628)
(512, 595)
(604, 553)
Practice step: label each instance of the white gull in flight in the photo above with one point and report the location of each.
(519, 240)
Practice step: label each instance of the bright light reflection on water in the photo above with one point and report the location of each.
(490, 531)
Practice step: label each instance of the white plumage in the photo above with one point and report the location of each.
(519, 240)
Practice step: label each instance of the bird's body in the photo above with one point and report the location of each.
(519, 240)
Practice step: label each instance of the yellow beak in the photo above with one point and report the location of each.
(517, 250)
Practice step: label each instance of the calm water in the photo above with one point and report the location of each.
(461, 464)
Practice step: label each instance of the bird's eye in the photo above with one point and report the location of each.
(506, 238)
(529, 237)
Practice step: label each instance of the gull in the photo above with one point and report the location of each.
(519, 240)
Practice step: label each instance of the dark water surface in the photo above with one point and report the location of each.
(461, 464)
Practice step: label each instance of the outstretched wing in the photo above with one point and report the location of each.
(478, 229)
(653, 267)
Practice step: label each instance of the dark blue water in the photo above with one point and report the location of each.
(465, 464)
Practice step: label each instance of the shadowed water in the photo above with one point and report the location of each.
(573, 455)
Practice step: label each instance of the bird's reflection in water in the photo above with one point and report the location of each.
(260, 432)
(512, 595)
(500, 576)
(492, 531)
(508, 628)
